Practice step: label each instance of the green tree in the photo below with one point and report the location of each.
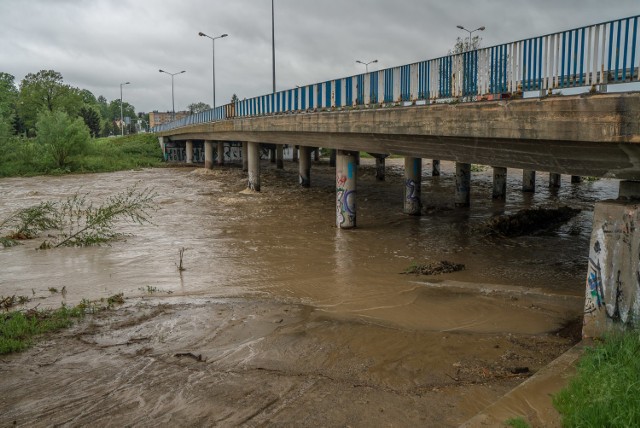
(234, 99)
(198, 107)
(8, 98)
(62, 136)
(114, 110)
(91, 118)
(45, 91)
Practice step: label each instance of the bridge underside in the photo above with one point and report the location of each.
(594, 135)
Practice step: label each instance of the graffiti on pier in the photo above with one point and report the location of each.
(412, 191)
(612, 295)
(345, 202)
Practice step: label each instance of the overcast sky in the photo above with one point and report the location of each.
(97, 44)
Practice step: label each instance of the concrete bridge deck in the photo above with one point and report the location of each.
(585, 135)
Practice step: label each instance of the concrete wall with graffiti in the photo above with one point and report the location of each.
(176, 152)
(612, 300)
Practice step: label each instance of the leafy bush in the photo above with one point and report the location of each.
(62, 136)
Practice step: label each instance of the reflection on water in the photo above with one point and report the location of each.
(283, 242)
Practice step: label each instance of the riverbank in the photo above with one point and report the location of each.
(280, 318)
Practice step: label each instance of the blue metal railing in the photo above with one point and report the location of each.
(597, 54)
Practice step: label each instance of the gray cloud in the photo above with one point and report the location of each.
(98, 44)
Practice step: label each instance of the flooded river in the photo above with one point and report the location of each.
(282, 319)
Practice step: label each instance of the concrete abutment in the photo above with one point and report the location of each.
(612, 294)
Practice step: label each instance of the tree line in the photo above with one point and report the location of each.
(45, 93)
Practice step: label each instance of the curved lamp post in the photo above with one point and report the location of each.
(470, 32)
(173, 105)
(366, 64)
(213, 43)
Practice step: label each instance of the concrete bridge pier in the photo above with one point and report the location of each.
(253, 156)
(208, 154)
(463, 184)
(279, 156)
(528, 180)
(612, 294)
(554, 180)
(245, 159)
(575, 179)
(294, 153)
(499, 183)
(316, 155)
(412, 185)
(435, 168)
(304, 166)
(332, 157)
(220, 153)
(346, 181)
(189, 151)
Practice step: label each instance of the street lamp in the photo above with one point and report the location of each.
(366, 64)
(213, 43)
(173, 104)
(470, 32)
(273, 46)
(121, 118)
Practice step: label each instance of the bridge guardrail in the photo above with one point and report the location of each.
(598, 54)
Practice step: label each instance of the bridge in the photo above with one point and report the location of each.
(501, 106)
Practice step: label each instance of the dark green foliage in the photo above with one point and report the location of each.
(25, 157)
(62, 137)
(45, 91)
(198, 107)
(91, 118)
(606, 389)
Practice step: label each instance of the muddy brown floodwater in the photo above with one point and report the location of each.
(282, 319)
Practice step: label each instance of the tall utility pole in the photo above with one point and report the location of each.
(213, 74)
(121, 112)
(273, 45)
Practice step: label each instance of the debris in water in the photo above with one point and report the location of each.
(526, 222)
(437, 268)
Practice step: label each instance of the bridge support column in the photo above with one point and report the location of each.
(208, 154)
(189, 151)
(380, 166)
(279, 156)
(499, 183)
(316, 155)
(346, 180)
(435, 168)
(554, 180)
(162, 142)
(332, 158)
(220, 153)
(272, 155)
(412, 184)
(463, 184)
(245, 159)
(575, 179)
(613, 285)
(304, 166)
(528, 180)
(294, 153)
(253, 155)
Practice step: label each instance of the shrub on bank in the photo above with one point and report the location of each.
(25, 157)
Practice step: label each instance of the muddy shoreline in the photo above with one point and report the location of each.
(281, 319)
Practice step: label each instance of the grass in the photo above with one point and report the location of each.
(19, 329)
(606, 389)
(518, 422)
(24, 157)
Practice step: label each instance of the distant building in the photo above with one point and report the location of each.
(158, 118)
